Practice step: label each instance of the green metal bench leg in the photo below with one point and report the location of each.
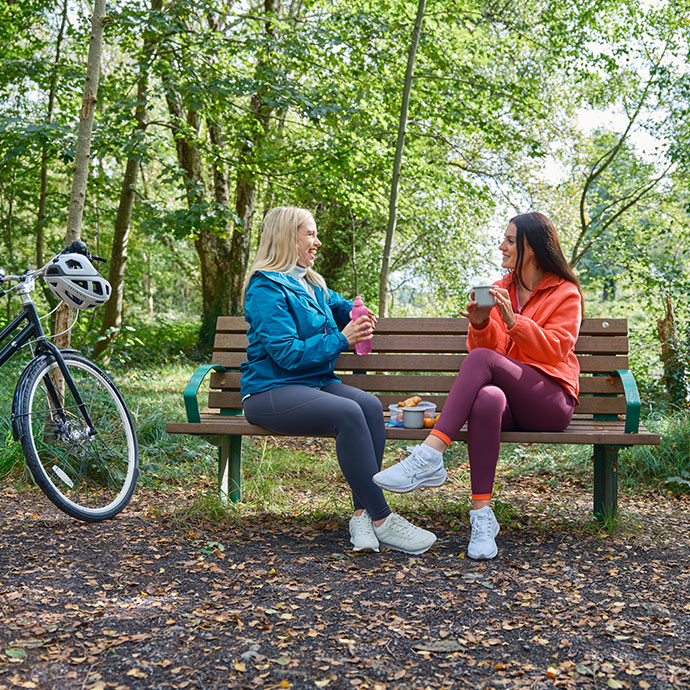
(229, 467)
(605, 482)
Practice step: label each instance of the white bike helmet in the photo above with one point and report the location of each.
(75, 281)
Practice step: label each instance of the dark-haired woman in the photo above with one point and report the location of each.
(521, 371)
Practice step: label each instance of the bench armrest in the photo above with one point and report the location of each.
(191, 404)
(632, 400)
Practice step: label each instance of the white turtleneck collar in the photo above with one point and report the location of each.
(299, 273)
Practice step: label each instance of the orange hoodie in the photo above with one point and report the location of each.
(544, 333)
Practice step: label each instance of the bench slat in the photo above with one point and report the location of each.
(443, 325)
(588, 405)
(404, 383)
(423, 342)
(604, 364)
(598, 364)
(588, 432)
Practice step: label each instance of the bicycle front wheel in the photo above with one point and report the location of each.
(87, 470)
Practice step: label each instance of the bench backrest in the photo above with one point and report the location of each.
(421, 356)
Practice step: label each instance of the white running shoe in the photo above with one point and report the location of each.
(362, 533)
(397, 533)
(485, 528)
(423, 467)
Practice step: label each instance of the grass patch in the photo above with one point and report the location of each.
(546, 461)
(301, 479)
(666, 466)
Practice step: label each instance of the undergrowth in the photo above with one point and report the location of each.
(301, 477)
(665, 466)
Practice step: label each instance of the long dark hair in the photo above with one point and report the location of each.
(538, 231)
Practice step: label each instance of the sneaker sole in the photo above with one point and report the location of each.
(420, 484)
(482, 557)
(414, 553)
(363, 549)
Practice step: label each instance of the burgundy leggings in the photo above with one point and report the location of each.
(493, 392)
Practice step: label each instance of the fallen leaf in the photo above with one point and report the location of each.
(584, 670)
(449, 644)
(16, 652)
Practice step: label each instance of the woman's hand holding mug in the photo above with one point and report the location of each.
(482, 301)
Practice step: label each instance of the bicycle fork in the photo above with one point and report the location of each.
(53, 393)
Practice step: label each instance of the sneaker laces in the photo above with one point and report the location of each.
(402, 526)
(412, 462)
(481, 526)
(364, 524)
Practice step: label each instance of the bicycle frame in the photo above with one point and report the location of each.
(34, 329)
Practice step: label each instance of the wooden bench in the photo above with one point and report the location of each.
(421, 357)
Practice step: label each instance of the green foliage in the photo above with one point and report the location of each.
(155, 344)
(12, 458)
(12, 464)
(307, 108)
(547, 461)
(667, 466)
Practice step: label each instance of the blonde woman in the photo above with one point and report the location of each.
(288, 383)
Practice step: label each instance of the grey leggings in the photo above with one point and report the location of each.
(353, 416)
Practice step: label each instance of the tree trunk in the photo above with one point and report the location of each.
(212, 249)
(112, 314)
(215, 251)
(9, 222)
(397, 162)
(63, 316)
(672, 357)
(43, 196)
(148, 286)
(245, 191)
(223, 263)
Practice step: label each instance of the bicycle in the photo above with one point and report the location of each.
(74, 427)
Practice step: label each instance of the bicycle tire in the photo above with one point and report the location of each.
(88, 476)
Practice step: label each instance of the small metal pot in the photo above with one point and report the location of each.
(413, 417)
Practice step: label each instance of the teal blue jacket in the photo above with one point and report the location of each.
(293, 338)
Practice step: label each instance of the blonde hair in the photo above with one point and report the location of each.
(278, 245)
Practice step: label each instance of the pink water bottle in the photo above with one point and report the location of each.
(363, 347)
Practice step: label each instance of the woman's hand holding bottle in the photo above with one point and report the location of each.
(363, 345)
(359, 330)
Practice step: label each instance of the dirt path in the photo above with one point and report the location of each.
(140, 602)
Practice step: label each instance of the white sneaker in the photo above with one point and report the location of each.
(362, 533)
(485, 528)
(397, 533)
(423, 467)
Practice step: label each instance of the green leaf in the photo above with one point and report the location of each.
(16, 652)
(584, 670)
